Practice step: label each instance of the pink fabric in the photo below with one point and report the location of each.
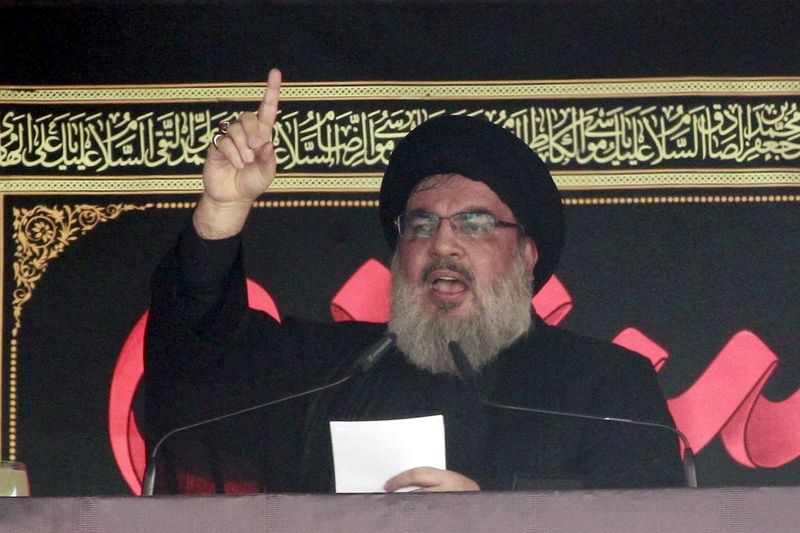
(552, 303)
(635, 340)
(366, 296)
(726, 399)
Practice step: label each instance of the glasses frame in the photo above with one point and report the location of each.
(497, 224)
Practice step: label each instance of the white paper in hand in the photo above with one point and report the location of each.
(367, 454)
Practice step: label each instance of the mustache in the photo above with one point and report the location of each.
(444, 264)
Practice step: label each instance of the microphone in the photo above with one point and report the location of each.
(373, 353)
(469, 374)
(370, 356)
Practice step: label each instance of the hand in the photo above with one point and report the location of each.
(430, 479)
(240, 168)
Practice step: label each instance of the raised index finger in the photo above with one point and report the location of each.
(268, 109)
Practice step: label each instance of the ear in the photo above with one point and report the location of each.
(531, 255)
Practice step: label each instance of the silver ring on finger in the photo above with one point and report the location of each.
(215, 139)
(222, 127)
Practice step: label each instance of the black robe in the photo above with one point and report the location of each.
(208, 354)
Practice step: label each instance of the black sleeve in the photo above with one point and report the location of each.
(207, 354)
(198, 301)
(197, 356)
(208, 278)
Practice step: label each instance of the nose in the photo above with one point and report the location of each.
(445, 243)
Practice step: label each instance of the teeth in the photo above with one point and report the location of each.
(448, 285)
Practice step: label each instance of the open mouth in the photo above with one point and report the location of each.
(448, 284)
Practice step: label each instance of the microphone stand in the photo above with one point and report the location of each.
(366, 360)
(468, 372)
(689, 467)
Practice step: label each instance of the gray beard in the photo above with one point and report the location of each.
(501, 315)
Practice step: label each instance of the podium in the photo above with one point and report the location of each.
(663, 510)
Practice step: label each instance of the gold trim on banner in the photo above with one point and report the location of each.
(12, 348)
(686, 199)
(610, 137)
(41, 233)
(395, 90)
(348, 183)
(636, 124)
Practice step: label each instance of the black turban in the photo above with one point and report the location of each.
(482, 151)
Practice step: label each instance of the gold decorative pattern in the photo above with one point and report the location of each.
(42, 233)
(11, 397)
(261, 204)
(609, 134)
(685, 199)
(607, 200)
(116, 185)
(318, 203)
(351, 183)
(655, 127)
(434, 90)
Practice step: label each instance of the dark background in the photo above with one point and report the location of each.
(173, 42)
(689, 276)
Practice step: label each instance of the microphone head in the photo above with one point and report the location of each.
(375, 352)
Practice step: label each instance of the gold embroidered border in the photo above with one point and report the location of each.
(686, 199)
(395, 90)
(749, 121)
(41, 234)
(350, 183)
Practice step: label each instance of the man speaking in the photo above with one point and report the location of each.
(476, 225)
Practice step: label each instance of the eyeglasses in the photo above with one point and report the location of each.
(473, 224)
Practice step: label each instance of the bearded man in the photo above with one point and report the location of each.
(477, 226)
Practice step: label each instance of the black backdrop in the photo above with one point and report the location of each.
(172, 41)
(689, 275)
